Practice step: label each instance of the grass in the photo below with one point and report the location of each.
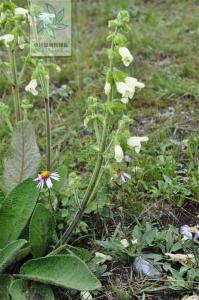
(164, 41)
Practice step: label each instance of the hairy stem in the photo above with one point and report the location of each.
(15, 87)
(48, 132)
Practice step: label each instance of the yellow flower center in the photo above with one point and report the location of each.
(194, 229)
(45, 174)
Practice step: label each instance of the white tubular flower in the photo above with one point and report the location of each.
(133, 83)
(124, 243)
(119, 155)
(7, 38)
(58, 69)
(107, 88)
(86, 296)
(125, 91)
(127, 88)
(127, 58)
(135, 142)
(21, 42)
(21, 11)
(45, 178)
(31, 87)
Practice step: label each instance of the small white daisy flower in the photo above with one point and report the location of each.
(7, 38)
(45, 178)
(135, 142)
(31, 87)
(123, 175)
(134, 242)
(21, 11)
(119, 155)
(189, 232)
(107, 88)
(127, 58)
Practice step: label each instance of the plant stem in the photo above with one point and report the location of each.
(15, 87)
(94, 181)
(9, 124)
(67, 234)
(48, 132)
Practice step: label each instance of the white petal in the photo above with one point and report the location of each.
(125, 243)
(140, 85)
(40, 184)
(121, 87)
(134, 242)
(85, 296)
(33, 83)
(21, 11)
(132, 82)
(119, 155)
(138, 148)
(123, 180)
(127, 58)
(7, 38)
(124, 100)
(144, 139)
(135, 141)
(49, 183)
(186, 230)
(107, 88)
(127, 175)
(55, 176)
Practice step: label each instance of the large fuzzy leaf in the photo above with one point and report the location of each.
(8, 254)
(16, 211)
(23, 290)
(5, 282)
(42, 228)
(23, 159)
(66, 271)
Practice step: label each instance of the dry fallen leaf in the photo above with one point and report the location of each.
(184, 259)
(193, 297)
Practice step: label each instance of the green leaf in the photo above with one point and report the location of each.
(66, 271)
(50, 9)
(8, 254)
(5, 281)
(23, 290)
(42, 228)
(40, 27)
(50, 32)
(16, 211)
(82, 253)
(23, 159)
(59, 16)
(61, 26)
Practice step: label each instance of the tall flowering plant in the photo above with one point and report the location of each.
(22, 205)
(102, 116)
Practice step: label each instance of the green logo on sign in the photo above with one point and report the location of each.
(51, 20)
